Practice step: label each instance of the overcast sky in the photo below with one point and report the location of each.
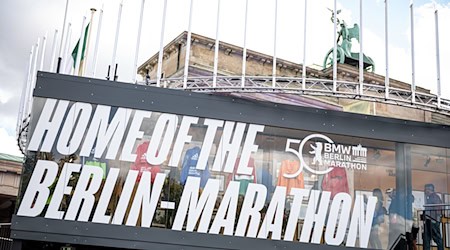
(23, 21)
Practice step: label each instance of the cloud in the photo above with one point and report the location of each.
(8, 143)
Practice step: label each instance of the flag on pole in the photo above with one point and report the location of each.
(75, 51)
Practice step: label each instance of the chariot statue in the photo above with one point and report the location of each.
(344, 46)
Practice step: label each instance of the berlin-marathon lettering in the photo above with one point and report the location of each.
(344, 220)
(199, 210)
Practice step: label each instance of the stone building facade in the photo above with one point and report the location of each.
(201, 63)
(10, 169)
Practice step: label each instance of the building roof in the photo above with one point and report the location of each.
(8, 157)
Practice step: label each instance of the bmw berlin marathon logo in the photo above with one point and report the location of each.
(324, 155)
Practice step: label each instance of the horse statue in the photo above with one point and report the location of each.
(344, 46)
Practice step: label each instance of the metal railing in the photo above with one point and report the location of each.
(435, 226)
(311, 87)
(431, 230)
(5, 236)
(293, 85)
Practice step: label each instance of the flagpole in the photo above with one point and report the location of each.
(244, 52)
(20, 114)
(79, 49)
(138, 40)
(304, 48)
(216, 47)
(44, 44)
(116, 40)
(93, 10)
(161, 47)
(66, 47)
(38, 45)
(29, 96)
(361, 53)
(274, 63)
(58, 67)
(20, 117)
(52, 59)
(29, 83)
(386, 36)
(335, 46)
(188, 46)
(413, 67)
(99, 27)
(29, 77)
(438, 60)
(66, 52)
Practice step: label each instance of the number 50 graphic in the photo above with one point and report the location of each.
(299, 153)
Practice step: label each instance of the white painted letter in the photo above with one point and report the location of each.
(105, 197)
(85, 194)
(227, 209)
(133, 134)
(249, 147)
(196, 207)
(104, 133)
(37, 192)
(60, 190)
(335, 236)
(361, 221)
(298, 194)
(125, 197)
(229, 146)
(182, 138)
(45, 124)
(208, 141)
(168, 123)
(144, 198)
(78, 115)
(273, 222)
(318, 219)
(251, 211)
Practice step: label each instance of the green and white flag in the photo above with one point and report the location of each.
(74, 55)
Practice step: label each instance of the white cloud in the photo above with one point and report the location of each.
(8, 143)
(4, 96)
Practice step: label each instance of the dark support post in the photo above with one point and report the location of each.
(403, 178)
(109, 70)
(115, 72)
(58, 67)
(403, 185)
